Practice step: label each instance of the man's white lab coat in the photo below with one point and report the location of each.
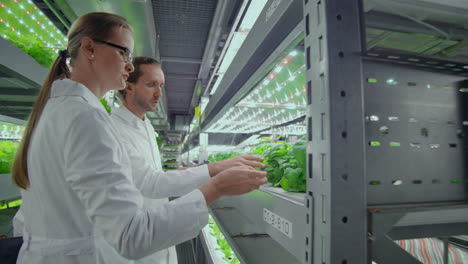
(82, 205)
(141, 135)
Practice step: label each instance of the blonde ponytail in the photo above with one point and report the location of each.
(59, 70)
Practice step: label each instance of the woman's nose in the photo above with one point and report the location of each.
(129, 67)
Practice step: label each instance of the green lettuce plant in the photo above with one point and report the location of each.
(294, 178)
(285, 163)
(7, 155)
(223, 156)
(223, 245)
(24, 25)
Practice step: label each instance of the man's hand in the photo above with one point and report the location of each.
(233, 181)
(244, 160)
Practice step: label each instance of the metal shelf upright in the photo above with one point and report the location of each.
(336, 184)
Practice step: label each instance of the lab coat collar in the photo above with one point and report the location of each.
(128, 116)
(67, 87)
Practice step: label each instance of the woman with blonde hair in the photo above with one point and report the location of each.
(80, 203)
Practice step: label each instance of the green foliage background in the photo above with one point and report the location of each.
(7, 155)
(23, 24)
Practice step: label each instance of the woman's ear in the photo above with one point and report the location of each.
(87, 48)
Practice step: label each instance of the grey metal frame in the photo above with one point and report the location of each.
(336, 183)
(21, 63)
(8, 190)
(12, 120)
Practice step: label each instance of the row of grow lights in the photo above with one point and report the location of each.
(27, 27)
(277, 98)
(10, 131)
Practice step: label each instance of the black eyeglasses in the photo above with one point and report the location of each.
(127, 54)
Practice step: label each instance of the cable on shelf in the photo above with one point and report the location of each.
(250, 235)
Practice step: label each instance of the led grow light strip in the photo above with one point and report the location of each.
(6, 205)
(25, 25)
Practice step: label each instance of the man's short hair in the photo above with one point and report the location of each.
(136, 74)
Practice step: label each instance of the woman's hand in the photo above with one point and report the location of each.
(233, 181)
(244, 160)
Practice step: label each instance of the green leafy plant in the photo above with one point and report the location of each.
(223, 156)
(277, 158)
(159, 141)
(260, 149)
(267, 139)
(285, 163)
(295, 178)
(7, 155)
(105, 104)
(32, 46)
(223, 245)
(25, 26)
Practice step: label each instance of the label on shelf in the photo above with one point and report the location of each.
(281, 224)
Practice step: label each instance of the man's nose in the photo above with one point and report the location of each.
(158, 92)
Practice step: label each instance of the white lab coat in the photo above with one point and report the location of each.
(141, 135)
(82, 205)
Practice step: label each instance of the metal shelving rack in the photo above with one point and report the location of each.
(386, 145)
(8, 191)
(21, 76)
(170, 151)
(19, 68)
(266, 225)
(336, 191)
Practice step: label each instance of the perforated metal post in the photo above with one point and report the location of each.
(336, 189)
